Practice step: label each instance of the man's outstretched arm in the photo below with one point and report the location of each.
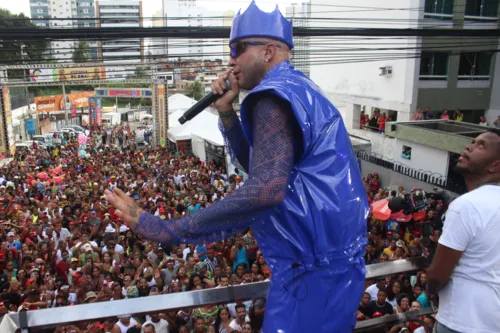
(272, 160)
(235, 141)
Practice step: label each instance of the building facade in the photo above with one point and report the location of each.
(64, 14)
(187, 13)
(116, 14)
(399, 75)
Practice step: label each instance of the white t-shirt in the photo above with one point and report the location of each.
(373, 291)
(470, 301)
(160, 327)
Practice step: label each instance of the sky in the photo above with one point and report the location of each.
(149, 7)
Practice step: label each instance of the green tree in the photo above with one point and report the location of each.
(16, 52)
(81, 52)
(196, 90)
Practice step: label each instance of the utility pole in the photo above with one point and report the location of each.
(65, 106)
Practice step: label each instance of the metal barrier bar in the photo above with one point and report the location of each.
(398, 318)
(85, 312)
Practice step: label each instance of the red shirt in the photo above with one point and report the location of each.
(62, 269)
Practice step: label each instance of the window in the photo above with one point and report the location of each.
(439, 8)
(481, 8)
(476, 65)
(434, 65)
(39, 11)
(406, 153)
(40, 17)
(86, 11)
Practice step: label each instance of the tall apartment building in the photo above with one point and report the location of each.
(156, 47)
(116, 14)
(187, 13)
(64, 14)
(300, 13)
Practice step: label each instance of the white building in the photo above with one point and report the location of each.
(186, 13)
(116, 14)
(400, 74)
(53, 14)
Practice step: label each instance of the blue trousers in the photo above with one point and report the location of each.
(324, 300)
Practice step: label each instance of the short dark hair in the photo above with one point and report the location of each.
(240, 305)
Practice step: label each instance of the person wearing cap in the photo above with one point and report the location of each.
(90, 297)
(13, 243)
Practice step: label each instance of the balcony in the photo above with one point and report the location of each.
(446, 135)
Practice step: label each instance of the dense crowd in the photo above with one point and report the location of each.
(389, 240)
(62, 244)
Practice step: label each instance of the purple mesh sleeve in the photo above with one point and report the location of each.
(272, 161)
(236, 143)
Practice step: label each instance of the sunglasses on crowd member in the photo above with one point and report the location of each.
(237, 48)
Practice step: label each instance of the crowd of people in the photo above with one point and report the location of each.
(391, 240)
(62, 244)
(377, 120)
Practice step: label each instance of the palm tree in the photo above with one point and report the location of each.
(196, 90)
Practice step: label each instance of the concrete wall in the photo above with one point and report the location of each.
(423, 157)
(381, 145)
(394, 179)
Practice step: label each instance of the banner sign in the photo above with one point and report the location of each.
(30, 126)
(55, 102)
(98, 110)
(67, 74)
(92, 111)
(161, 115)
(8, 118)
(137, 93)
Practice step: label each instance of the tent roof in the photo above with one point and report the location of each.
(179, 102)
(204, 125)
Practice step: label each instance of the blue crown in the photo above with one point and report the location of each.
(256, 23)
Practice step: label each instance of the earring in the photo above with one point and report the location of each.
(266, 60)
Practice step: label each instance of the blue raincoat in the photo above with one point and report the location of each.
(314, 241)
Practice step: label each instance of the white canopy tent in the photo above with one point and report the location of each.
(203, 130)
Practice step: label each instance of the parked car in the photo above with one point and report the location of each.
(43, 139)
(20, 146)
(55, 137)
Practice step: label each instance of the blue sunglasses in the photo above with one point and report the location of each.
(239, 47)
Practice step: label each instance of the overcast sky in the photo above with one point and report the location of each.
(149, 7)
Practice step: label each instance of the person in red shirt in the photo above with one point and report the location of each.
(381, 123)
(63, 266)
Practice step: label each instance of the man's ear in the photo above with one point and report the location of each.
(494, 167)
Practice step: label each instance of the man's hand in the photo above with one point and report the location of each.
(225, 103)
(126, 208)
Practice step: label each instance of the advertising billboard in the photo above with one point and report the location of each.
(67, 74)
(55, 102)
(162, 113)
(92, 111)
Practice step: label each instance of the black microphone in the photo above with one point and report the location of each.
(202, 104)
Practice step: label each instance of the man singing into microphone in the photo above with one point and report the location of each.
(304, 197)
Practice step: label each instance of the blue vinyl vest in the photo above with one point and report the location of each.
(314, 241)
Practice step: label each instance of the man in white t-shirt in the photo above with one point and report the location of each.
(374, 288)
(466, 266)
(239, 321)
(160, 325)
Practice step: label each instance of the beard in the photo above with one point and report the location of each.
(468, 170)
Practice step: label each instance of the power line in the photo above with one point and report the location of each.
(223, 32)
(326, 47)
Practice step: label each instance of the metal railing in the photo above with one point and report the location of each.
(47, 318)
(421, 175)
